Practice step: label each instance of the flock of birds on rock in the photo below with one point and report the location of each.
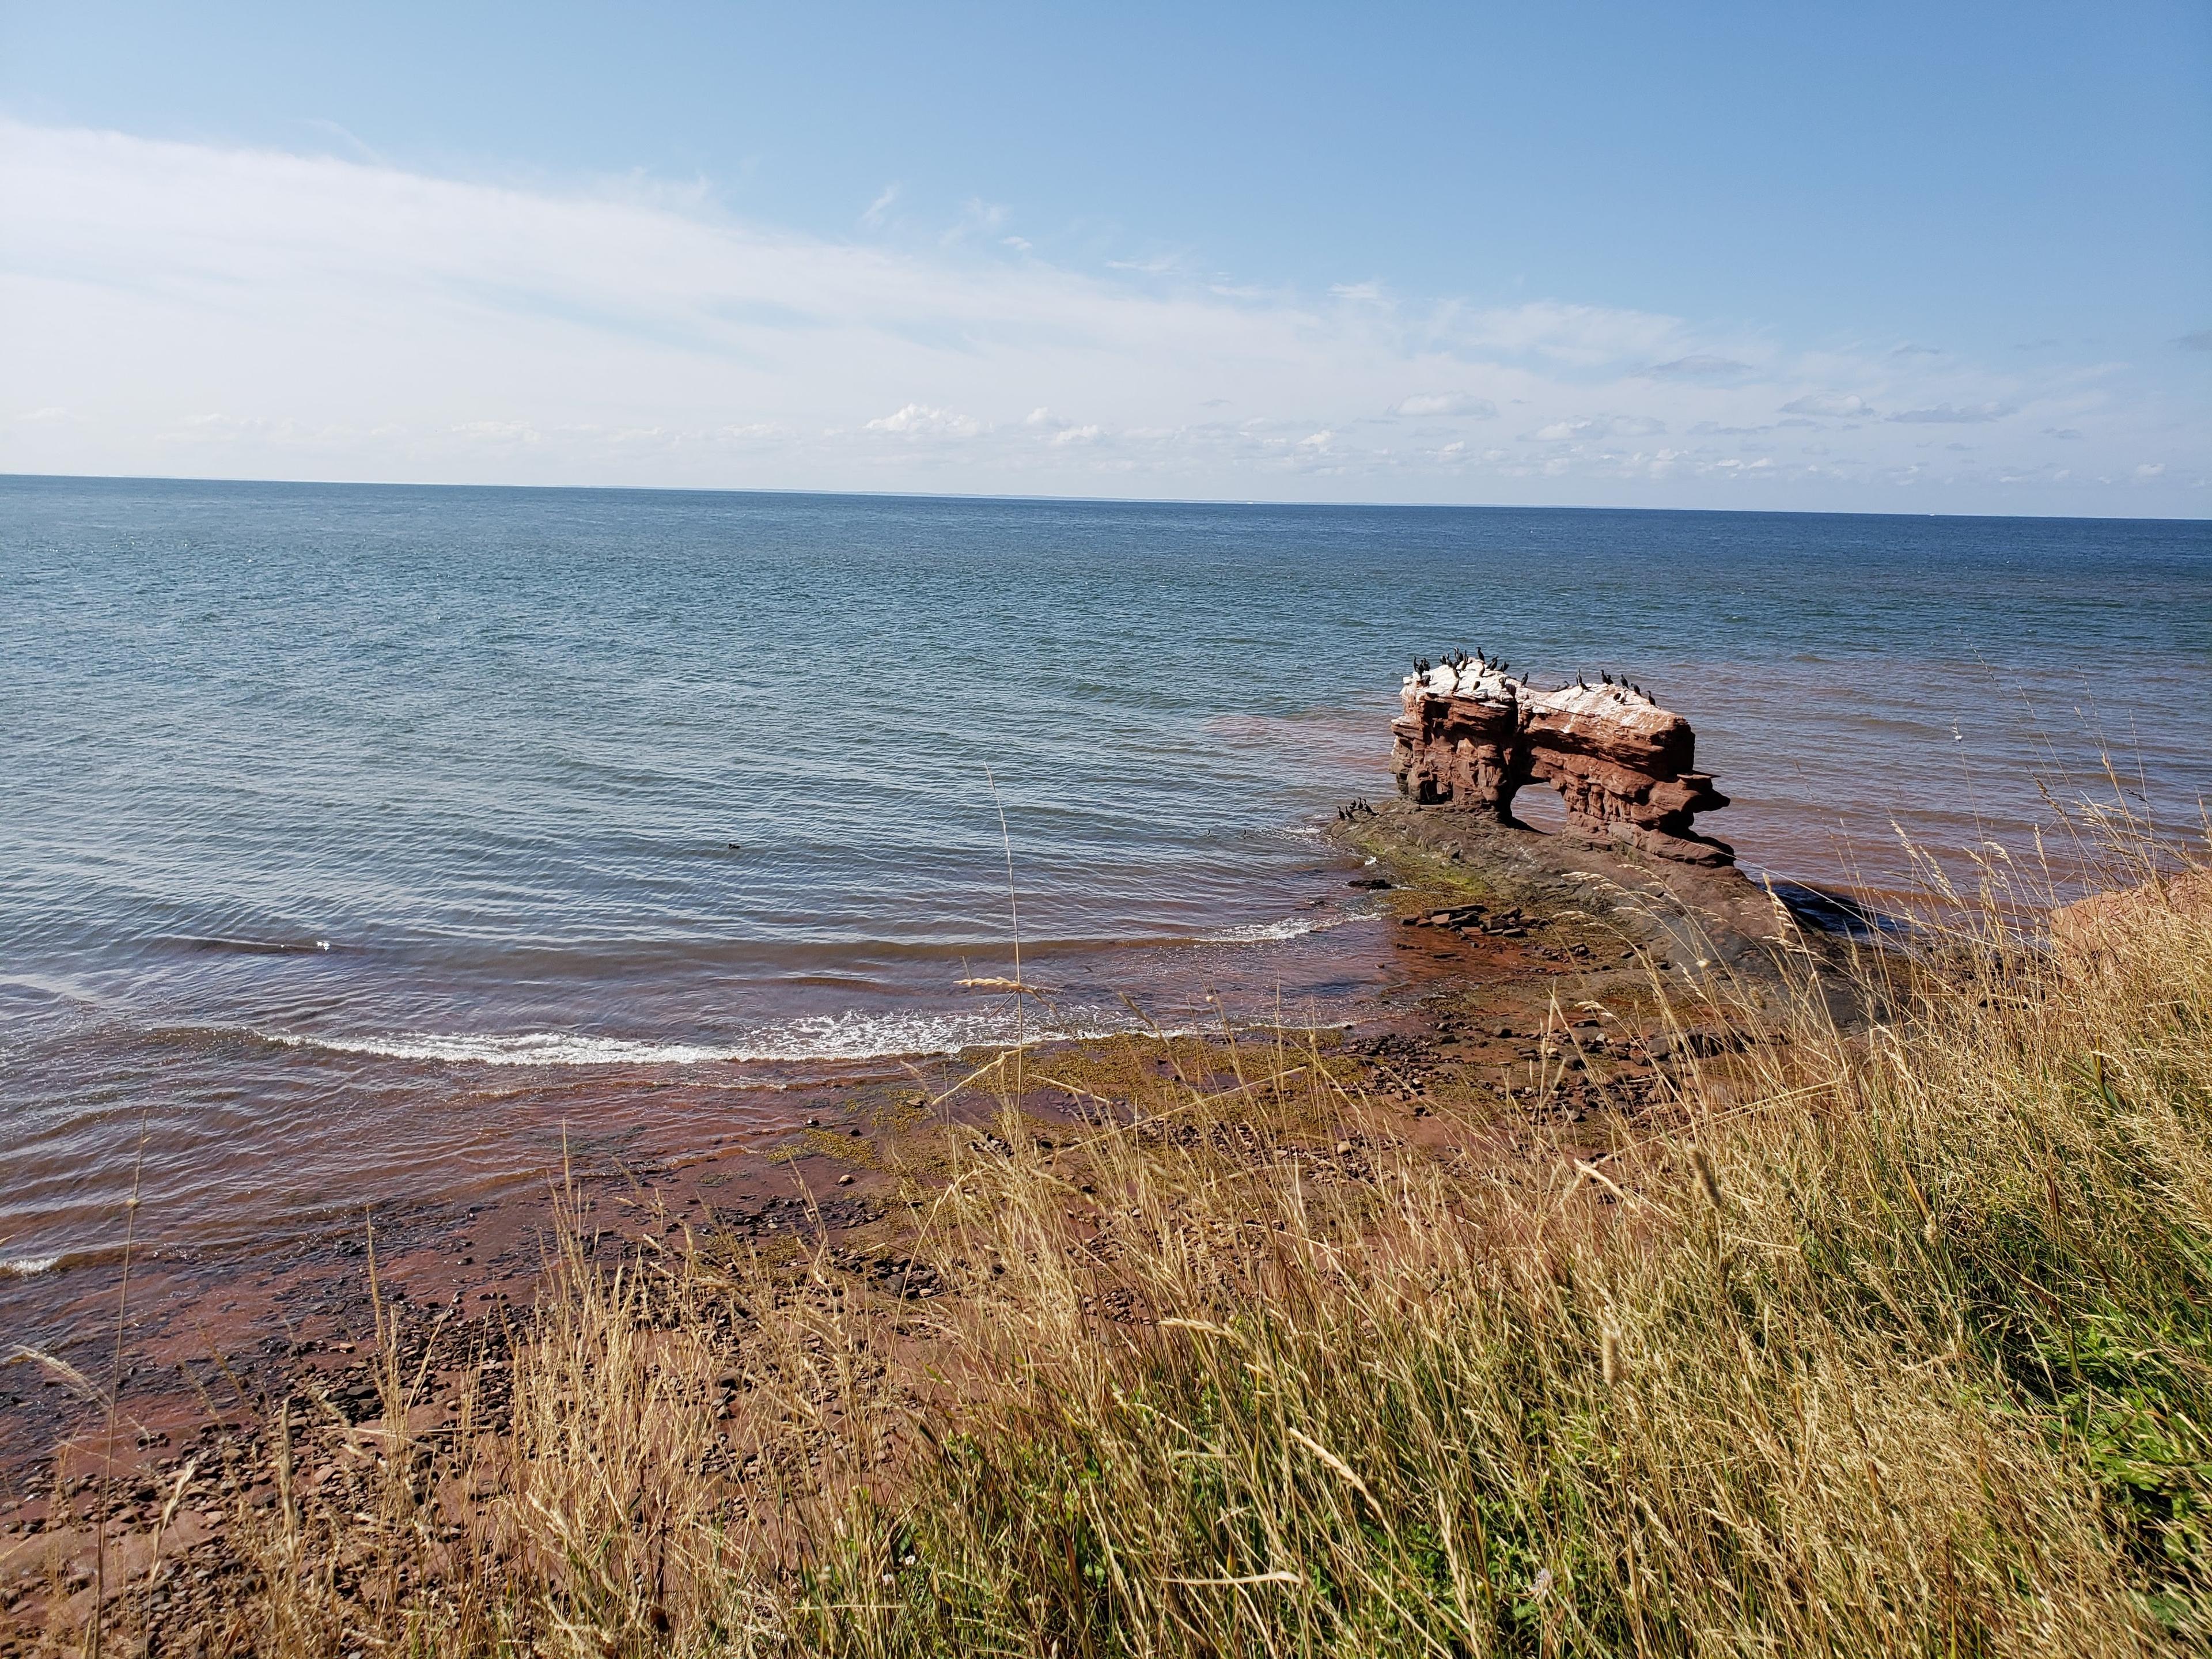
(1459, 661)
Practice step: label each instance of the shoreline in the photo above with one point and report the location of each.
(1464, 1024)
(483, 1102)
(1447, 854)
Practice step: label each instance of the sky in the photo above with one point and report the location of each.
(1952, 258)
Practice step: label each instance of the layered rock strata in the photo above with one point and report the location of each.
(1472, 737)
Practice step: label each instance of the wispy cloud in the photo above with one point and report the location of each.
(222, 312)
(1699, 365)
(1573, 334)
(1952, 415)
(1158, 266)
(977, 218)
(352, 142)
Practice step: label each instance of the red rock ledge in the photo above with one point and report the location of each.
(1472, 736)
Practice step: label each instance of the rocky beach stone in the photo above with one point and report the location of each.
(1472, 737)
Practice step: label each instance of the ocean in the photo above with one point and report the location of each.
(358, 844)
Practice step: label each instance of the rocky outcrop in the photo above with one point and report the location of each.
(1472, 736)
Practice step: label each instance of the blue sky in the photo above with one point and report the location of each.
(1923, 258)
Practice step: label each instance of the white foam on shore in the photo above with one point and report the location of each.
(29, 1267)
(523, 1048)
(849, 1037)
(1262, 932)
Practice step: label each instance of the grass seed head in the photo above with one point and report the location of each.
(1702, 1163)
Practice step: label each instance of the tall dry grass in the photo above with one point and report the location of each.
(1883, 1339)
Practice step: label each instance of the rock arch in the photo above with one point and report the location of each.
(1472, 738)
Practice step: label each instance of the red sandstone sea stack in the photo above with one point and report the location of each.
(1472, 737)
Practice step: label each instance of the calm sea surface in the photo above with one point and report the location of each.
(349, 837)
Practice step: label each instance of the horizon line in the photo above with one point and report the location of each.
(1079, 500)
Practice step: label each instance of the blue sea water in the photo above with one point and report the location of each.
(348, 835)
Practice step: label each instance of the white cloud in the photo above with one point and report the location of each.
(1847, 404)
(1060, 431)
(922, 420)
(1446, 403)
(171, 307)
(1589, 428)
